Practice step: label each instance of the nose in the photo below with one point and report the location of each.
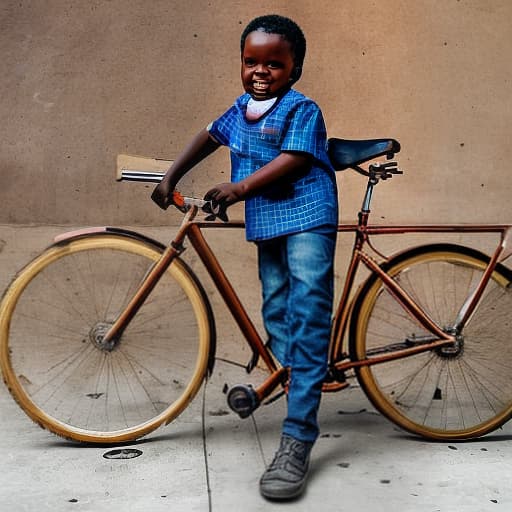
(261, 69)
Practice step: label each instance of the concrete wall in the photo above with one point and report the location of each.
(85, 80)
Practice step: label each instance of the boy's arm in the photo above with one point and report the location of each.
(286, 164)
(199, 148)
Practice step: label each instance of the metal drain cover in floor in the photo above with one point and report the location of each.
(124, 453)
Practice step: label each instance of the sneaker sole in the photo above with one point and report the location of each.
(283, 494)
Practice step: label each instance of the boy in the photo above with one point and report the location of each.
(281, 170)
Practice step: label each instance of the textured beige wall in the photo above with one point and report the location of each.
(85, 80)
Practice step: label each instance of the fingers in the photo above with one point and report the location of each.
(225, 193)
(218, 203)
(161, 200)
(219, 193)
(211, 194)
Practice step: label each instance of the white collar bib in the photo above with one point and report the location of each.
(256, 109)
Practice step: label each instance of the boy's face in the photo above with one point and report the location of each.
(267, 65)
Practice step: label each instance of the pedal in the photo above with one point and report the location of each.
(243, 400)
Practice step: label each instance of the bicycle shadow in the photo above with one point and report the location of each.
(192, 435)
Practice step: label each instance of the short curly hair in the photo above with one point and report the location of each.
(286, 28)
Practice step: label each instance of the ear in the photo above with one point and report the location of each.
(296, 73)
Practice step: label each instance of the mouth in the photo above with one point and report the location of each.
(260, 86)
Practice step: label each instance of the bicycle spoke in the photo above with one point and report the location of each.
(80, 387)
(459, 392)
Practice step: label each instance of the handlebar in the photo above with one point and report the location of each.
(181, 202)
(212, 208)
(376, 172)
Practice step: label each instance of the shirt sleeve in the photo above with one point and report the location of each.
(306, 131)
(221, 128)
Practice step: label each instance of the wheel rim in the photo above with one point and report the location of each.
(80, 387)
(450, 393)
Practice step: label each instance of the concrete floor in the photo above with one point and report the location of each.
(210, 460)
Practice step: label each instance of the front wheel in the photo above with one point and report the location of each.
(442, 394)
(54, 361)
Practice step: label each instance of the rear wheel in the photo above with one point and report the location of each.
(457, 393)
(54, 362)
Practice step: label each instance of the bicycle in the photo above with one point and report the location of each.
(108, 334)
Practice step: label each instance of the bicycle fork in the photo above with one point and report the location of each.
(113, 335)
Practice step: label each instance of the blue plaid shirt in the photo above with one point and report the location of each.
(294, 123)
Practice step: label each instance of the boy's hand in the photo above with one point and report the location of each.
(225, 194)
(162, 194)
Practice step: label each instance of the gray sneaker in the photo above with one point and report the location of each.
(285, 478)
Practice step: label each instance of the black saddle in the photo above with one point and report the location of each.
(348, 153)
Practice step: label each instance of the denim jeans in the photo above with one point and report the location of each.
(296, 272)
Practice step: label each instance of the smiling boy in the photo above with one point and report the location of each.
(280, 168)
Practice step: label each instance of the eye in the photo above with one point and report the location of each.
(248, 62)
(274, 64)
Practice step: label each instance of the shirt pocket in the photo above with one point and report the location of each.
(270, 133)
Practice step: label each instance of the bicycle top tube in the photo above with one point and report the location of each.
(344, 154)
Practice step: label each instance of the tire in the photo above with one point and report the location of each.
(438, 394)
(51, 320)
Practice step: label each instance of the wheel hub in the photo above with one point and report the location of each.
(455, 350)
(97, 337)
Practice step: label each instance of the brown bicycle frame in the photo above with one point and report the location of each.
(363, 232)
(192, 230)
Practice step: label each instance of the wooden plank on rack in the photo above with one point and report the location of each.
(140, 163)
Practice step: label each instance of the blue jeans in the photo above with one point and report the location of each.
(296, 272)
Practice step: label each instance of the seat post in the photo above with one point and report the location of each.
(368, 197)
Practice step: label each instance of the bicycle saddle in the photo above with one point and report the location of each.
(347, 153)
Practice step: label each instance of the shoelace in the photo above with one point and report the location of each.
(288, 455)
